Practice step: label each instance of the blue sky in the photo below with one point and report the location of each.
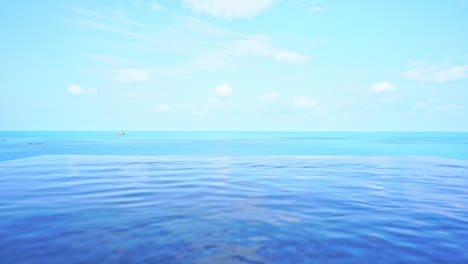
(234, 65)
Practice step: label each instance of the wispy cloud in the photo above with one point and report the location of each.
(229, 9)
(118, 22)
(270, 96)
(77, 90)
(434, 104)
(151, 5)
(138, 75)
(447, 107)
(223, 90)
(129, 75)
(316, 7)
(263, 45)
(292, 57)
(247, 46)
(163, 108)
(92, 19)
(203, 27)
(219, 48)
(382, 87)
(424, 73)
(307, 104)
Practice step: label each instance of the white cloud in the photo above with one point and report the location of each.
(223, 90)
(289, 56)
(229, 8)
(201, 26)
(270, 96)
(75, 90)
(421, 104)
(151, 5)
(436, 104)
(225, 46)
(257, 44)
(307, 105)
(98, 21)
(305, 102)
(317, 9)
(163, 108)
(248, 46)
(224, 49)
(383, 87)
(262, 45)
(448, 107)
(414, 62)
(129, 75)
(435, 73)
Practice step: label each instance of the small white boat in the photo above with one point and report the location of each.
(121, 133)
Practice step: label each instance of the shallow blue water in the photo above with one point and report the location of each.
(452, 145)
(365, 201)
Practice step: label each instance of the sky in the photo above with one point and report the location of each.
(278, 65)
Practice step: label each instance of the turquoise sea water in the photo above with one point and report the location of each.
(233, 197)
(452, 145)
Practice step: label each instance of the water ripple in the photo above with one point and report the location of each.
(234, 209)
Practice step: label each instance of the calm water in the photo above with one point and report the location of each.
(251, 197)
(451, 145)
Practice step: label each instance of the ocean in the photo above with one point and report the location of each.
(233, 197)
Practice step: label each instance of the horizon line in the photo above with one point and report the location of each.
(117, 130)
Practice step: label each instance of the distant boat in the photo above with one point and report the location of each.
(121, 133)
